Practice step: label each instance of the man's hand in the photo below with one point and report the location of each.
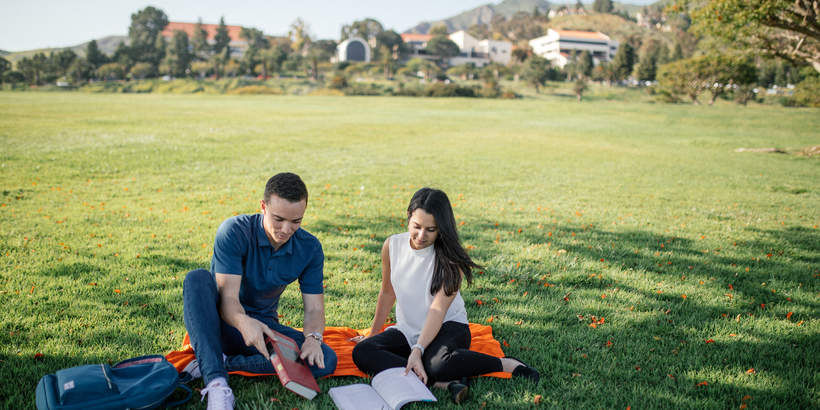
(414, 363)
(312, 352)
(253, 333)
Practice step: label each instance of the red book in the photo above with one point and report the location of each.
(293, 373)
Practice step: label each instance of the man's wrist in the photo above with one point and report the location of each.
(315, 336)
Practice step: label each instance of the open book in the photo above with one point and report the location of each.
(390, 389)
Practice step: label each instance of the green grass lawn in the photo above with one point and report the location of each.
(698, 266)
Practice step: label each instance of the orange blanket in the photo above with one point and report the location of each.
(338, 338)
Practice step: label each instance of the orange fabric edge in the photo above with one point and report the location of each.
(338, 338)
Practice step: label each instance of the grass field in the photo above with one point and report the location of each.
(629, 253)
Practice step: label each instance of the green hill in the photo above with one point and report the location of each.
(106, 44)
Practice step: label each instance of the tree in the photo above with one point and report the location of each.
(536, 71)
(420, 65)
(199, 43)
(320, 50)
(713, 73)
(390, 41)
(33, 68)
(275, 58)
(603, 6)
(94, 56)
(585, 65)
(623, 61)
(111, 71)
(13, 77)
(368, 29)
(299, 34)
(222, 40)
(145, 31)
(256, 43)
(789, 29)
(179, 56)
(142, 70)
(5, 66)
(579, 87)
(443, 48)
(80, 70)
(439, 30)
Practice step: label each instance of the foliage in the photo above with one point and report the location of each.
(94, 56)
(367, 29)
(147, 44)
(200, 49)
(179, 55)
(4, 67)
(579, 87)
(603, 6)
(789, 29)
(13, 77)
(623, 62)
(113, 71)
(222, 40)
(442, 47)
(536, 71)
(807, 92)
(713, 73)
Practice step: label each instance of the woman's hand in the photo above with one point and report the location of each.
(414, 364)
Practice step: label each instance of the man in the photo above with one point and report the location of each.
(229, 310)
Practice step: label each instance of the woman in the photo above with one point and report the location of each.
(421, 272)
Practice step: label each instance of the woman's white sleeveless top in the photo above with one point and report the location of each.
(411, 273)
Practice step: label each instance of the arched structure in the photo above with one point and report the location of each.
(353, 49)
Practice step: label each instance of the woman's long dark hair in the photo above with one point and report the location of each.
(451, 258)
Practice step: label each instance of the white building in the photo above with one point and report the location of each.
(558, 45)
(480, 52)
(353, 49)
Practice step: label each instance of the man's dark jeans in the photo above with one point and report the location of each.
(211, 336)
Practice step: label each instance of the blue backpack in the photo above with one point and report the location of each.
(143, 382)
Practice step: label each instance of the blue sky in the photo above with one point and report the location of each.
(30, 24)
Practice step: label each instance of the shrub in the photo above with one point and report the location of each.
(255, 89)
(807, 92)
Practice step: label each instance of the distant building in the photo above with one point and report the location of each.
(238, 45)
(416, 43)
(353, 49)
(559, 45)
(480, 52)
(471, 50)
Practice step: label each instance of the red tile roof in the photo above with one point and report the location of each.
(406, 37)
(233, 31)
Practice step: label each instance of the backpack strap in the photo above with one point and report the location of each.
(180, 402)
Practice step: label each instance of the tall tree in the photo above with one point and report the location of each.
(256, 43)
(222, 40)
(390, 41)
(585, 65)
(439, 30)
(789, 29)
(299, 34)
(624, 61)
(603, 6)
(179, 55)
(5, 65)
(62, 60)
(199, 42)
(144, 34)
(94, 56)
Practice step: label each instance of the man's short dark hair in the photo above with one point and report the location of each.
(286, 185)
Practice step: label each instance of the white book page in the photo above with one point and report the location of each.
(398, 389)
(357, 396)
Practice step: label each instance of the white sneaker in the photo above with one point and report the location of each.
(220, 396)
(192, 368)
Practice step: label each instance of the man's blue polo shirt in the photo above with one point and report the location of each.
(242, 248)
